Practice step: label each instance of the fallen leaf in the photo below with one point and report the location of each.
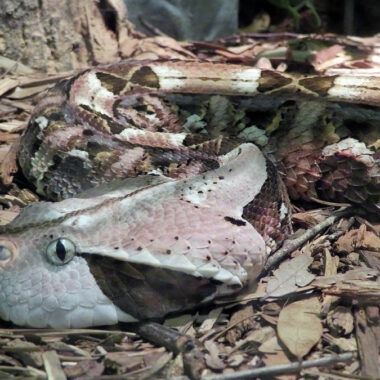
(121, 362)
(328, 57)
(358, 238)
(91, 368)
(7, 84)
(256, 336)
(278, 358)
(364, 291)
(241, 321)
(8, 137)
(355, 274)
(331, 263)
(290, 276)
(9, 164)
(4, 149)
(235, 359)
(368, 344)
(209, 322)
(212, 359)
(340, 320)
(7, 216)
(13, 126)
(271, 346)
(344, 344)
(24, 92)
(299, 326)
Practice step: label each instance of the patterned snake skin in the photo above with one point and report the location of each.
(194, 210)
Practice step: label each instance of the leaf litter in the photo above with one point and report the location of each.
(321, 301)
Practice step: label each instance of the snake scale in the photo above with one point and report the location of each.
(163, 209)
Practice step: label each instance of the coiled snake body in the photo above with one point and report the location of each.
(194, 210)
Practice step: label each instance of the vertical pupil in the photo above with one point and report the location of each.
(60, 250)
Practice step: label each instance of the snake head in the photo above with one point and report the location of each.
(140, 248)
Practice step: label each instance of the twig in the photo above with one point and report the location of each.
(292, 244)
(224, 331)
(293, 367)
(336, 235)
(261, 35)
(350, 375)
(52, 366)
(153, 29)
(331, 375)
(59, 332)
(176, 342)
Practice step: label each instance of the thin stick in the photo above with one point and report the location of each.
(293, 367)
(176, 342)
(291, 245)
(58, 332)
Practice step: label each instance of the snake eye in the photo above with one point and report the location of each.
(60, 251)
(5, 255)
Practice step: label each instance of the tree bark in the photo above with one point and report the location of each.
(61, 35)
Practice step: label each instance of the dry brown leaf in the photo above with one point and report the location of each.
(310, 218)
(256, 336)
(340, 320)
(8, 137)
(241, 321)
(13, 125)
(9, 163)
(277, 358)
(123, 361)
(155, 362)
(365, 291)
(212, 358)
(346, 284)
(4, 149)
(24, 92)
(274, 355)
(299, 326)
(27, 352)
(181, 322)
(344, 344)
(91, 368)
(271, 346)
(352, 275)
(235, 359)
(239, 49)
(264, 63)
(155, 47)
(331, 56)
(209, 322)
(375, 145)
(53, 366)
(369, 241)
(290, 276)
(7, 84)
(358, 238)
(331, 263)
(368, 343)
(23, 105)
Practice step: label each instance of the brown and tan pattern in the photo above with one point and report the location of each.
(114, 122)
(195, 211)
